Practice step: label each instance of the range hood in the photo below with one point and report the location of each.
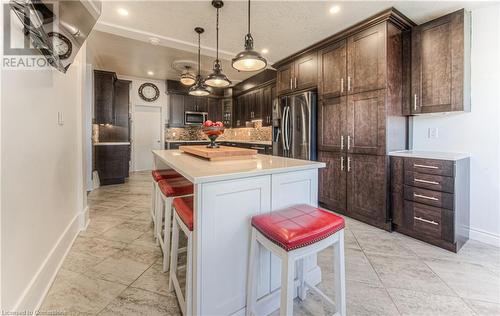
(50, 24)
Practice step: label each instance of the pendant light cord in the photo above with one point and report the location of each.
(217, 36)
(199, 52)
(248, 16)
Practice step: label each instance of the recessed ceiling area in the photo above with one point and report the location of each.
(279, 28)
(135, 58)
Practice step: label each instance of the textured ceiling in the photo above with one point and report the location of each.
(283, 27)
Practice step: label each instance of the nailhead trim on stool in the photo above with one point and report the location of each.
(165, 174)
(297, 226)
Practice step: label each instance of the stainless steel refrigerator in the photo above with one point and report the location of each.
(294, 126)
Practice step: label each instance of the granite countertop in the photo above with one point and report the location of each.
(198, 170)
(256, 142)
(430, 154)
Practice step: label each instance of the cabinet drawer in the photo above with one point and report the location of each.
(430, 221)
(429, 166)
(429, 181)
(434, 198)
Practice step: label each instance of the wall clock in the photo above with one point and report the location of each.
(61, 45)
(149, 92)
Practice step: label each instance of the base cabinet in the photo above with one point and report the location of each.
(355, 185)
(112, 163)
(430, 200)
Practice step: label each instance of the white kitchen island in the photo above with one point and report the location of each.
(227, 195)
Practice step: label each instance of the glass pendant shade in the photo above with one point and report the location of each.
(187, 78)
(199, 89)
(217, 78)
(249, 59)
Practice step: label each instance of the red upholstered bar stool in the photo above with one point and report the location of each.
(169, 189)
(158, 175)
(183, 219)
(292, 234)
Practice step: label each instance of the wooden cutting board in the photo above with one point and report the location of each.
(221, 153)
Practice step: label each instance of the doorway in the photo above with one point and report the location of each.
(146, 136)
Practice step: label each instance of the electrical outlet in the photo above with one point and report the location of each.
(433, 133)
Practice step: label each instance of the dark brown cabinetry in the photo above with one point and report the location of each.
(332, 124)
(255, 104)
(333, 180)
(122, 103)
(112, 163)
(332, 74)
(176, 109)
(104, 87)
(214, 107)
(430, 199)
(268, 96)
(179, 103)
(440, 65)
(367, 60)
(300, 74)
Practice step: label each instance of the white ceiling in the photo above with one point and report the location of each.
(283, 27)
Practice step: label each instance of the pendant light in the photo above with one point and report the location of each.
(187, 78)
(217, 78)
(249, 59)
(199, 89)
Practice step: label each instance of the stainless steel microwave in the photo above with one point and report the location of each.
(195, 118)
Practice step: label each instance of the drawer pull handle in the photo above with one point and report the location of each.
(425, 220)
(425, 197)
(425, 181)
(425, 166)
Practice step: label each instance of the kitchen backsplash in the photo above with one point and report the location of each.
(194, 133)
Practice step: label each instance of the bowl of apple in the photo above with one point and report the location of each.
(213, 130)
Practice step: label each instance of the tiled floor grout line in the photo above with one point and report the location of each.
(378, 276)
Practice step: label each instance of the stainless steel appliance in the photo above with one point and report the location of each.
(294, 126)
(57, 28)
(194, 118)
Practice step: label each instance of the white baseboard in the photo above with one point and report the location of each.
(484, 236)
(37, 289)
(84, 218)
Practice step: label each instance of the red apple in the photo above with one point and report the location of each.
(219, 124)
(208, 123)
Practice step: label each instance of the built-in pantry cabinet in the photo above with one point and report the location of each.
(370, 77)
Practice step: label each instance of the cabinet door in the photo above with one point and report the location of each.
(438, 65)
(367, 187)
(366, 123)
(239, 114)
(189, 103)
(176, 110)
(267, 105)
(306, 72)
(333, 181)
(201, 104)
(366, 64)
(258, 104)
(284, 78)
(249, 104)
(121, 103)
(103, 97)
(332, 124)
(332, 70)
(214, 109)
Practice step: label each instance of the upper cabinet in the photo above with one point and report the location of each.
(214, 109)
(121, 102)
(104, 88)
(332, 75)
(366, 60)
(299, 74)
(441, 65)
(176, 109)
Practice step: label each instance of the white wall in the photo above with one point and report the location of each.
(42, 183)
(135, 100)
(477, 132)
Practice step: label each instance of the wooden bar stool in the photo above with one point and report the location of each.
(183, 219)
(158, 175)
(292, 234)
(169, 189)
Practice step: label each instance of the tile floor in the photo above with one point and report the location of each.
(114, 268)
